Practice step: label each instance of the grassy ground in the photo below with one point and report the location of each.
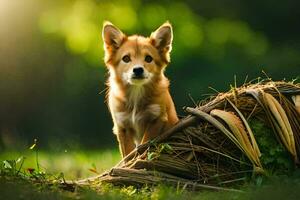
(28, 184)
(73, 164)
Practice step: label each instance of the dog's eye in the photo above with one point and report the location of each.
(148, 59)
(126, 59)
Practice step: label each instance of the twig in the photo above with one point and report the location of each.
(188, 121)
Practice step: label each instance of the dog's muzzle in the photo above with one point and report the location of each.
(138, 73)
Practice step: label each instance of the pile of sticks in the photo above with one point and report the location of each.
(214, 146)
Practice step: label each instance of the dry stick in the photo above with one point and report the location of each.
(131, 175)
(188, 121)
(195, 156)
(200, 148)
(234, 180)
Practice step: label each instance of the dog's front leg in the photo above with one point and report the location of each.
(154, 130)
(125, 139)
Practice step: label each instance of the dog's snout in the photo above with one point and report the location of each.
(138, 71)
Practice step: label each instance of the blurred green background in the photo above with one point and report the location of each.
(52, 71)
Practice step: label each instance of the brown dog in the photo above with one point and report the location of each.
(138, 97)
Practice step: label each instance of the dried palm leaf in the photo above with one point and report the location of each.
(238, 129)
(294, 119)
(281, 123)
(296, 100)
(216, 123)
(252, 138)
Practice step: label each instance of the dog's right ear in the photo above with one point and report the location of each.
(112, 36)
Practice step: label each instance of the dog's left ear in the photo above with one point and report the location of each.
(162, 37)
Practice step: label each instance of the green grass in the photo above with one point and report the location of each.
(78, 164)
(74, 164)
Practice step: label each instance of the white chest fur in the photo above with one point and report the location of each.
(136, 120)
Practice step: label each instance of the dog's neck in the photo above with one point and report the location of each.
(135, 95)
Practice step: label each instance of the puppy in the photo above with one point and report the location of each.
(138, 95)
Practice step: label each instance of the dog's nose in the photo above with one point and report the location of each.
(138, 71)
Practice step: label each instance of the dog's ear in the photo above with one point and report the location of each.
(162, 37)
(112, 36)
